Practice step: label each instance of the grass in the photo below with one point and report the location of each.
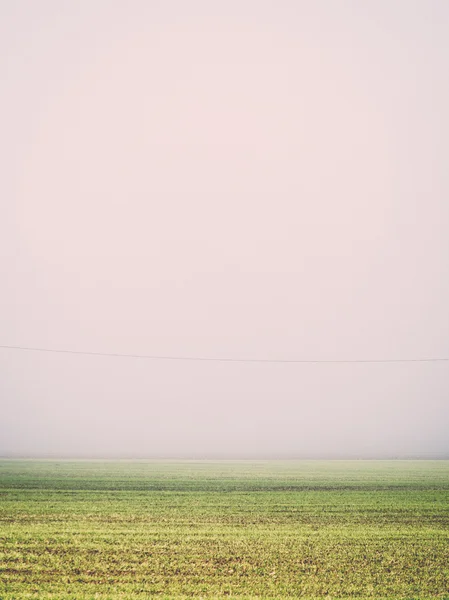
(311, 529)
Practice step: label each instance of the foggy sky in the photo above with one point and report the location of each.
(244, 179)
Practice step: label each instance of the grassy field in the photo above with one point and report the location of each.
(315, 529)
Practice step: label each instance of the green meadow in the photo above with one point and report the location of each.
(214, 529)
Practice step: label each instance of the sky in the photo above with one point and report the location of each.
(232, 179)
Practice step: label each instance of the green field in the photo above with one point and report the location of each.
(259, 529)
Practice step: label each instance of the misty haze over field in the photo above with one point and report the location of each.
(242, 179)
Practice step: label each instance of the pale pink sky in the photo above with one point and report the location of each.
(242, 179)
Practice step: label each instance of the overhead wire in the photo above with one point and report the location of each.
(226, 359)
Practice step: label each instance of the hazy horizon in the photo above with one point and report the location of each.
(225, 457)
(246, 180)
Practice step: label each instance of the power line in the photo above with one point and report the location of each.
(227, 359)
